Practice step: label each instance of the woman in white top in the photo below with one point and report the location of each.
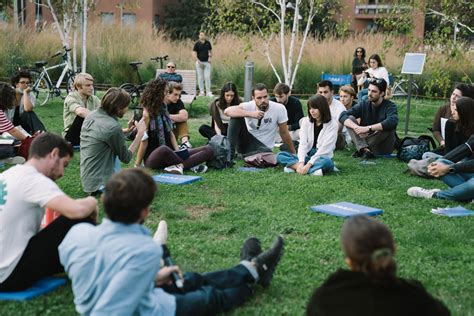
(318, 135)
(376, 70)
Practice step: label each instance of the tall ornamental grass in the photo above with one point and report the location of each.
(110, 48)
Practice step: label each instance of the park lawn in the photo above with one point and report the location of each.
(209, 220)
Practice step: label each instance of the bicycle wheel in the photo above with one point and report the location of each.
(134, 93)
(400, 89)
(69, 86)
(41, 87)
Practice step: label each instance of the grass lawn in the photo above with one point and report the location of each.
(209, 220)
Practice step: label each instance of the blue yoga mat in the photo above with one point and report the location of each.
(346, 209)
(250, 169)
(169, 178)
(41, 287)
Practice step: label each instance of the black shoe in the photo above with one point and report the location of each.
(250, 249)
(366, 155)
(268, 260)
(356, 154)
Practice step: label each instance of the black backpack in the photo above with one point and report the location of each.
(222, 153)
(413, 148)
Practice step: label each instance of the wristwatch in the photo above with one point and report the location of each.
(451, 170)
(370, 129)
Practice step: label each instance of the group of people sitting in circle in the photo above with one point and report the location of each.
(129, 255)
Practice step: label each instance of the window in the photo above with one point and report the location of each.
(129, 19)
(107, 18)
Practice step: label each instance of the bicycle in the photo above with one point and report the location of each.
(135, 90)
(400, 88)
(43, 87)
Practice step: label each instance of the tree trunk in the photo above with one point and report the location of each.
(84, 35)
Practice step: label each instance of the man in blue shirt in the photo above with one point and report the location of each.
(115, 267)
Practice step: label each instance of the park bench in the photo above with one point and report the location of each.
(189, 84)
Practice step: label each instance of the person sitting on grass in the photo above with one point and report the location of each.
(347, 95)
(28, 253)
(178, 113)
(22, 114)
(253, 125)
(458, 176)
(326, 89)
(229, 96)
(77, 106)
(446, 112)
(170, 73)
(103, 140)
(8, 100)
(157, 148)
(318, 135)
(115, 266)
(371, 287)
(372, 123)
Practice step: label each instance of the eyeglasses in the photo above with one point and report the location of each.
(25, 82)
(359, 51)
(376, 80)
(171, 67)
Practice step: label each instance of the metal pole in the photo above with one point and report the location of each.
(410, 82)
(248, 84)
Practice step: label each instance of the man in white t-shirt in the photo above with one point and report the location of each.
(254, 124)
(26, 252)
(326, 89)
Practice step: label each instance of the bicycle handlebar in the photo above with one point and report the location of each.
(159, 58)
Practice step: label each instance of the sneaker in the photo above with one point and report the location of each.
(175, 169)
(201, 94)
(17, 160)
(267, 261)
(250, 249)
(422, 193)
(288, 170)
(356, 154)
(318, 173)
(199, 169)
(161, 234)
(209, 94)
(186, 145)
(367, 154)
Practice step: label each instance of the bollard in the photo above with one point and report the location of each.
(248, 84)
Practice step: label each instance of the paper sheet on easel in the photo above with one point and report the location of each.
(443, 126)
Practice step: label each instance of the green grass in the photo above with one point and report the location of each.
(209, 220)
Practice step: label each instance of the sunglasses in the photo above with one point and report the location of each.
(359, 51)
(25, 82)
(376, 80)
(171, 67)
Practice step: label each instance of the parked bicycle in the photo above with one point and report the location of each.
(400, 88)
(43, 86)
(135, 90)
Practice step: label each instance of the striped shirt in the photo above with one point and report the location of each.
(5, 124)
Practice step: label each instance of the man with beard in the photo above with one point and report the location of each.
(375, 134)
(28, 253)
(254, 124)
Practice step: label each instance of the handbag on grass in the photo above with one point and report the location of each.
(261, 160)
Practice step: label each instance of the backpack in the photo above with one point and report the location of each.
(413, 148)
(222, 153)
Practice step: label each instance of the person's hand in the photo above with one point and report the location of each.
(140, 126)
(437, 169)
(27, 90)
(303, 169)
(130, 126)
(442, 143)
(164, 275)
(361, 130)
(258, 114)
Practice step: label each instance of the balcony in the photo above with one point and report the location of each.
(376, 9)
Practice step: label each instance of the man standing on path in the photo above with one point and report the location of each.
(202, 53)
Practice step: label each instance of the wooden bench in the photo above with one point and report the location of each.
(189, 84)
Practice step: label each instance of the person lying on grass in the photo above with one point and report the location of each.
(115, 267)
(318, 135)
(371, 286)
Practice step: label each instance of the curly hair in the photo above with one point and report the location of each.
(154, 96)
(7, 96)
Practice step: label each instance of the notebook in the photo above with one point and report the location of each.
(42, 286)
(346, 209)
(452, 211)
(169, 178)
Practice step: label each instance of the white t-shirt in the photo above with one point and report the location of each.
(275, 115)
(336, 108)
(23, 194)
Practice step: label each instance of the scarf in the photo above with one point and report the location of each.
(162, 123)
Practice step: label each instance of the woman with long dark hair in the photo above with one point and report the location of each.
(318, 135)
(375, 70)
(219, 121)
(358, 65)
(159, 149)
(371, 286)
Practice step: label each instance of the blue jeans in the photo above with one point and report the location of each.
(363, 95)
(324, 163)
(203, 70)
(461, 185)
(212, 293)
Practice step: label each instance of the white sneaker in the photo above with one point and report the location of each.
(199, 169)
(318, 173)
(17, 160)
(161, 234)
(201, 94)
(422, 193)
(186, 145)
(288, 170)
(209, 94)
(174, 169)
